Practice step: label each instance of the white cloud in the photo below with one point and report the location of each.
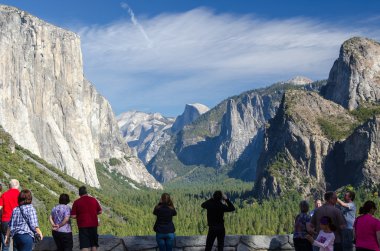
(200, 56)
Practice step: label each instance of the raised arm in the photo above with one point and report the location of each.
(342, 203)
(205, 204)
(229, 207)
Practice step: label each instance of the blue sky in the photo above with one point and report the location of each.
(158, 55)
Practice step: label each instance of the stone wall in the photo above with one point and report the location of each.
(182, 243)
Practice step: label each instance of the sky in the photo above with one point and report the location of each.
(158, 55)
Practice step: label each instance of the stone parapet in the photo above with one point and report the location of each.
(182, 243)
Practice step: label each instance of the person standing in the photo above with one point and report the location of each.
(329, 209)
(216, 207)
(348, 209)
(61, 225)
(367, 228)
(86, 210)
(23, 226)
(300, 228)
(317, 204)
(8, 201)
(164, 226)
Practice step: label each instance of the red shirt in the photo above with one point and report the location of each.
(86, 209)
(9, 200)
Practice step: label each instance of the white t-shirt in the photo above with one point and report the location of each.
(325, 241)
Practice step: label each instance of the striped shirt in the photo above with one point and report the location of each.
(18, 225)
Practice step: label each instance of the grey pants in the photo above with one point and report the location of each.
(348, 239)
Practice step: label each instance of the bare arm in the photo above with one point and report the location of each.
(39, 232)
(51, 221)
(342, 203)
(378, 236)
(7, 236)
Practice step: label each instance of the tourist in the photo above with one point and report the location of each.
(326, 237)
(86, 210)
(348, 209)
(23, 226)
(300, 228)
(61, 225)
(164, 226)
(317, 204)
(216, 207)
(1, 211)
(367, 228)
(8, 201)
(329, 209)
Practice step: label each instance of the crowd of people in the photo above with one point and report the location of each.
(334, 225)
(329, 226)
(19, 221)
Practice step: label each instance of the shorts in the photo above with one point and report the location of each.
(88, 237)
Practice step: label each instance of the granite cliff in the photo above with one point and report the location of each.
(355, 75)
(324, 142)
(48, 106)
(296, 144)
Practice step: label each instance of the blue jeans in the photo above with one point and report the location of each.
(23, 242)
(165, 241)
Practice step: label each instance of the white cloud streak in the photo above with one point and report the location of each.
(125, 6)
(200, 56)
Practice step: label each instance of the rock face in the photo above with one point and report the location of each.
(229, 136)
(356, 160)
(355, 75)
(297, 144)
(191, 113)
(145, 133)
(48, 106)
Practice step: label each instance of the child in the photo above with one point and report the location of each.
(326, 237)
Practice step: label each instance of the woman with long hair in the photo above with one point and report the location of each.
(23, 226)
(367, 228)
(164, 226)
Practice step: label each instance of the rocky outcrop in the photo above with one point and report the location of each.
(182, 243)
(356, 160)
(297, 142)
(355, 75)
(189, 115)
(48, 106)
(144, 132)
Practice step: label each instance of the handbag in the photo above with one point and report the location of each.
(37, 237)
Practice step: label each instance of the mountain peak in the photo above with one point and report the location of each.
(299, 80)
(354, 77)
(191, 113)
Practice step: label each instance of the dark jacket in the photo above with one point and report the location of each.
(164, 222)
(216, 210)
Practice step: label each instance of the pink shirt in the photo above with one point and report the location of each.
(366, 227)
